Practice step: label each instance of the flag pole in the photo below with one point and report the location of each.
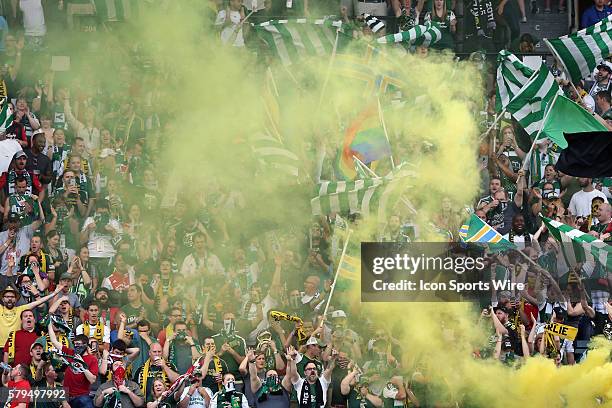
(528, 155)
(329, 67)
(363, 166)
(486, 132)
(333, 286)
(382, 121)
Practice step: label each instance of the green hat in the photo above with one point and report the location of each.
(41, 341)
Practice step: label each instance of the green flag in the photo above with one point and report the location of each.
(569, 117)
(577, 246)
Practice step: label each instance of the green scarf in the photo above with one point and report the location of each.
(231, 399)
(112, 400)
(271, 386)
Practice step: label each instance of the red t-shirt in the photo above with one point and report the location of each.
(23, 341)
(530, 310)
(77, 383)
(19, 398)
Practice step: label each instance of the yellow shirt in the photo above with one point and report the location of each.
(10, 319)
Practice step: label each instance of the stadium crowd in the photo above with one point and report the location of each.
(103, 296)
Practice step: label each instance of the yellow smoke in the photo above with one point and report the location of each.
(213, 93)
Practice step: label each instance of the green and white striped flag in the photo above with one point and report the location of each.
(582, 51)
(273, 154)
(367, 196)
(512, 74)
(424, 35)
(291, 40)
(529, 103)
(579, 247)
(268, 144)
(6, 116)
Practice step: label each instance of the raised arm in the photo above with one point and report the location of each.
(345, 384)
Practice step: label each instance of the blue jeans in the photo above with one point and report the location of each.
(84, 401)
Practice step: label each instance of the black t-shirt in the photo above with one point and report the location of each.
(38, 164)
(209, 380)
(338, 375)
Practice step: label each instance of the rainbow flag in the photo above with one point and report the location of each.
(365, 139)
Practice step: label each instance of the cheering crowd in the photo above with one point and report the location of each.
(128, 297)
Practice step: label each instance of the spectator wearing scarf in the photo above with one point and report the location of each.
(311, 390)
(271, 392)
(119, 392)
(228, 397)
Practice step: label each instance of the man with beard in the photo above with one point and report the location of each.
(228, 397)
(603, 229)
(78, 377)
(602, 81)
(269, 392)
(8, 180)
(107, 312)
(518, 235)
(22, 204)
(312, 388)
(39, 165)
(119, 388)
(580, 204)
(15, 379)
(17, 347)
(10, 315)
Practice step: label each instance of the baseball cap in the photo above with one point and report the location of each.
(553, 194)
(606, 65)
(38, 342)
(338, 313)
(19, 154)
(65, 275)
(313, 341)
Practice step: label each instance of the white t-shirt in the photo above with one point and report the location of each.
(192, 263)
(196, 400)
(92, 330)
(100, 245)
(33, 17)
(580, 204)
(300, 383)
(22, 246)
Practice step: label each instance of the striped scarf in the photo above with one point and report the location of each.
(98, 333)
(62, 338)
(12, 178)
(538, 162)
(11, 346)
(144, 376)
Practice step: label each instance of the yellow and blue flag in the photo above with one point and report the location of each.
(476, 230)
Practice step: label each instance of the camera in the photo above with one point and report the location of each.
(180, 336)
